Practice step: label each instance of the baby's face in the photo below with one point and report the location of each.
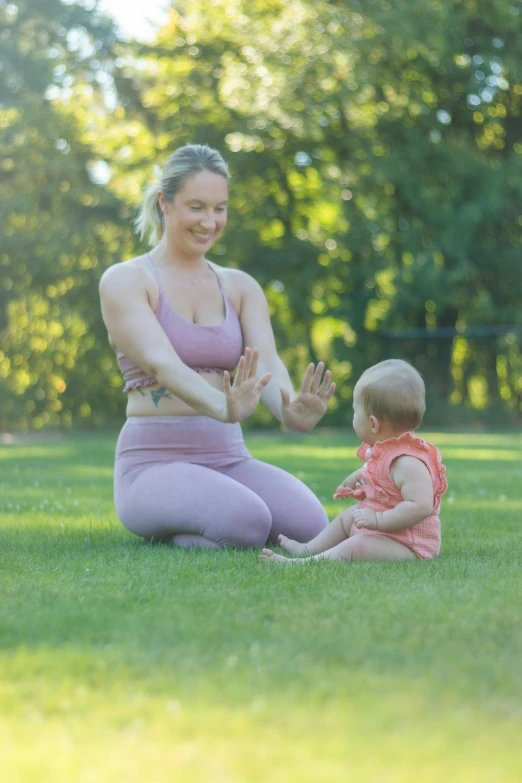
(362, 423)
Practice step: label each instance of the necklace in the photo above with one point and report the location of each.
(190, 279)
(193, 280)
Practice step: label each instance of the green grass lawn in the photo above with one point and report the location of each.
(122, 661)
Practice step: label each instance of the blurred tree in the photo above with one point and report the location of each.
(60, 226)
(376, 153)
(375, 150)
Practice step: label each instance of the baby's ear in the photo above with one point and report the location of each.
(376, 424)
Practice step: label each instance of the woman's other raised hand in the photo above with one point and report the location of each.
(303, 413)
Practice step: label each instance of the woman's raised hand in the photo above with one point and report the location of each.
(303, 413)
(242, 396)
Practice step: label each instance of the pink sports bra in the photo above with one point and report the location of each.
(203, 348)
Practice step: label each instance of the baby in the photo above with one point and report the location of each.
(399, 487)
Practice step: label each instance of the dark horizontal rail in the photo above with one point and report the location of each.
(450, 331)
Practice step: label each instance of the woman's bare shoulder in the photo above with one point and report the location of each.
(126, 273)
(235, 279)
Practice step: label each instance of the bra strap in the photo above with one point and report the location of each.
(220, 284)
(154, 272)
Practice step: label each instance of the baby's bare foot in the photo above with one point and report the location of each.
(271, 557)
(291, 546)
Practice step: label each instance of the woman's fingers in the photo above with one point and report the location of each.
(263, 381)
(329, 394)
(285, 397)
(307, 380)
(323, 388)
(248, 363)
(226, 381)
(316, 379)
(253, 364)
(240, 372)
(314, 383)
(247, 367)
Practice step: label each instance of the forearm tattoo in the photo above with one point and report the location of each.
(157, 395)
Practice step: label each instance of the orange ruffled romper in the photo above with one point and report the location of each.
(376, 489)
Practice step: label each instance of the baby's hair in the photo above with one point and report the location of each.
(185, 161)
(394, 391)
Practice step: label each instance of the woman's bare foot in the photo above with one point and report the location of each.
(271, 557)
(291, 546)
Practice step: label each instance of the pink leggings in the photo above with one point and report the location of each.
(191, 480)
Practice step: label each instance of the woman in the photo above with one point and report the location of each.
(179, 323)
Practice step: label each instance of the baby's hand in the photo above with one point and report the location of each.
(365, 517)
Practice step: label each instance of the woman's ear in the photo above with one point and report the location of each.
(162, 202)
(376, 424)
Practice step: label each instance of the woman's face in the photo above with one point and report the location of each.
(198, 214)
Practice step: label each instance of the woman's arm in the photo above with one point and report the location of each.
(134, 328)
(255, 325)
(298, 412)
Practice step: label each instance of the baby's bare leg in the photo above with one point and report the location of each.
(359, 547)
(338, 530)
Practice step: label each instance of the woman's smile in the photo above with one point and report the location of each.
(201, 236)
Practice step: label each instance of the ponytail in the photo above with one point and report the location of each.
(150, 211)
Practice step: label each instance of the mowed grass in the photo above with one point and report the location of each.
(123, 661)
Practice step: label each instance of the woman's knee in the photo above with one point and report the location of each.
(302, 526)
(240, 518)
(249, 529)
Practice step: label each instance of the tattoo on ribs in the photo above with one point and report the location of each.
(160, 394)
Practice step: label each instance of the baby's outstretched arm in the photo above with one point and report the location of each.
(350, 481)
(413, 480)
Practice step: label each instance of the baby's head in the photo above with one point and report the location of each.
(388, 400)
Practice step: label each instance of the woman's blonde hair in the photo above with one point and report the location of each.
(184, 162)
(394, 391)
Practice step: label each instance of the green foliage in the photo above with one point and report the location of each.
(60, 229)
(376, 155)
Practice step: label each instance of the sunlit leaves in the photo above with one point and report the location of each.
(375, 151)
